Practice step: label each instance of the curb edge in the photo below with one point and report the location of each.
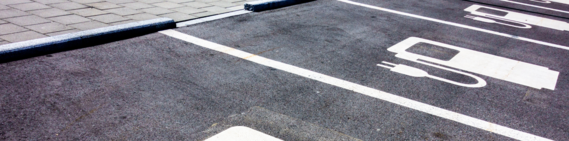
(47, 45)
(263, 5)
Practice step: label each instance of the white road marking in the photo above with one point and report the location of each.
(415, 72)
(242, 133)
(531, 5)
(496, 21)
(518, 17)
(395, 99)
(482, 63)
(558, 1)
(457, 25)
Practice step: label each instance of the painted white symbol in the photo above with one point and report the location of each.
(518, 20)
(548, 1)
(357, 88)
(488, 20)
(477, 62)
(242, 133)
(415, 72)
(541, 1)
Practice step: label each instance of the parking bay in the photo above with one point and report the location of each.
(190, 87)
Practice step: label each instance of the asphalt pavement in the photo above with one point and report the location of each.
(322, 70)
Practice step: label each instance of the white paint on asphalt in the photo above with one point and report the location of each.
(531, 5)
(482, 63)
(457, 25)
(549, 1)
(415, 72)
(242, 133)
(505, 15)
(497, 21)
(395, 99)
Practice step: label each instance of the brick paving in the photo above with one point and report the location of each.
(22, 20)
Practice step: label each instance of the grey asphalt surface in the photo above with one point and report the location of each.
(156, 87)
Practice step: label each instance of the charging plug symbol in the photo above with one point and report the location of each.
(415, 72)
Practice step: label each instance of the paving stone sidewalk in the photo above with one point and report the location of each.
(22, 20)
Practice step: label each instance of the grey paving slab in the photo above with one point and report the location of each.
(157, 11)
(49, 12)
(70, 19)
(9, 2)
(22, 36)
(123, 22)
(216, 9)
(224, 4)
(27, 20)
(87, 1)
(11, 13)
(207, 1)
(180, 1)
(48, 27)
(151, 1)
(137, 5)
(88, 12)
(120, 1)
(109, 18)
(204, 14)
(168, 5)
(104, 5)
(178, 16)
(143, 16)
(188, 10)
(2, 7)
(198, 4)
(50, 1)
(54, 17)
(239, 7)
(89, 25)
(234, 1)
(124, 11)
(68, 6)
(63, 32)
(30, 6)
(11, 28)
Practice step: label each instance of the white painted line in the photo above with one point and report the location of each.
(211, 18)
(502, 68)
(457, 25)
(242, 133)
(416, 72)
(531, 5)
(518, 18)
(395, 99)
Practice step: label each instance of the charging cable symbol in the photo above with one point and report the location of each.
(469, 61)
(491, 19)
(415, 72)
(543, 2)
(513, 19)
